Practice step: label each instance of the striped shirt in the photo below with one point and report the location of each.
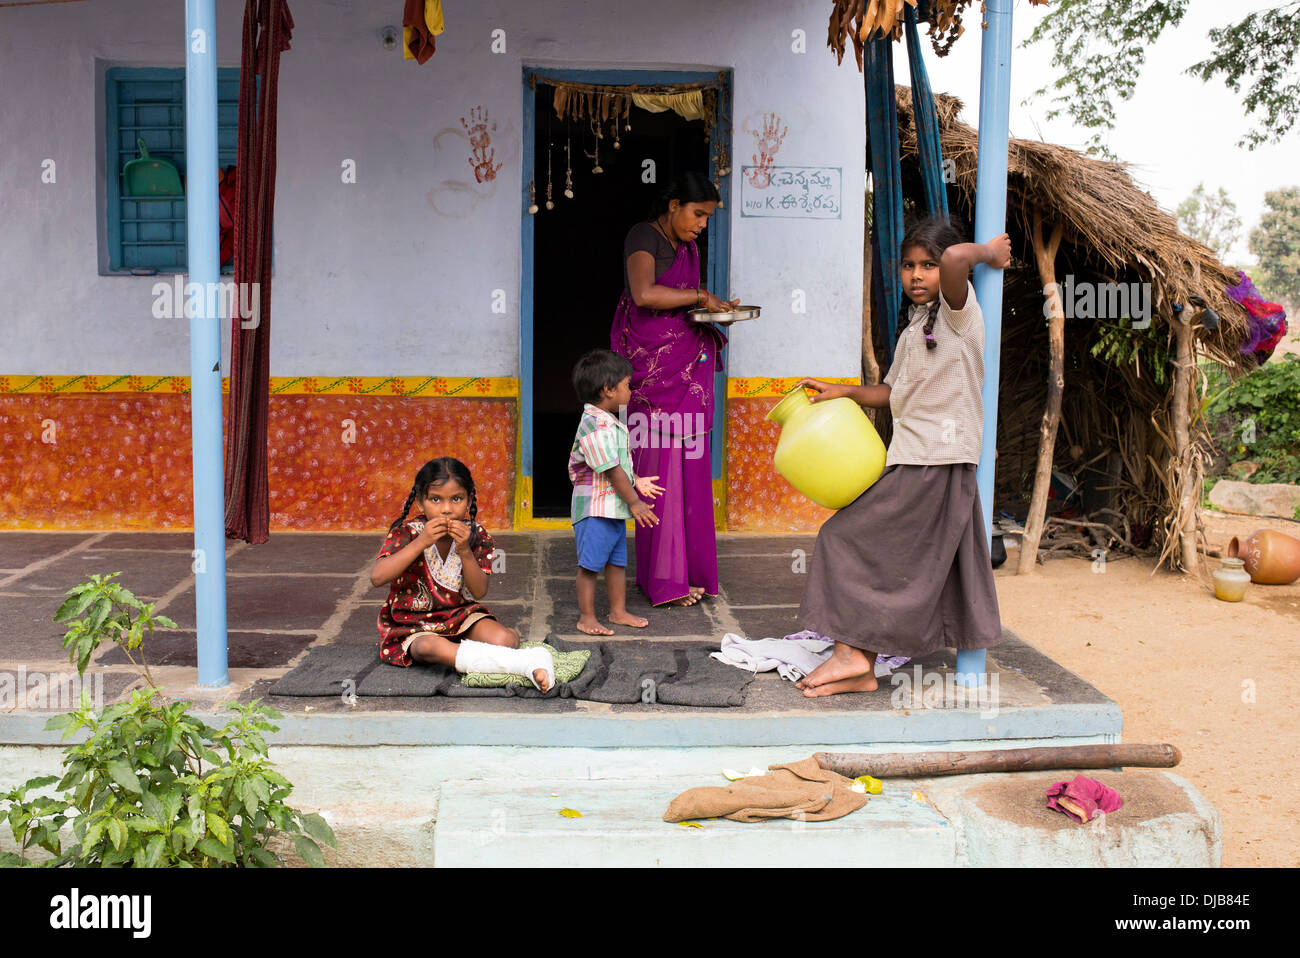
(600, 445)
(935, 393)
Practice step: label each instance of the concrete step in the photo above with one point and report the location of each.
(994, 820)
(495, 823)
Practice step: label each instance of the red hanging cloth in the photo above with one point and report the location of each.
(267, 29)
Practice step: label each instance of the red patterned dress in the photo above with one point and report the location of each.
(430, 596)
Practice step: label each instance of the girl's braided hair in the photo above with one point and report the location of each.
(934, 235)
(434, 473)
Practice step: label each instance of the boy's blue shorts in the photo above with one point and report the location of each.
(601, 542)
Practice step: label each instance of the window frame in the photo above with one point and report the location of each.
(115, 150)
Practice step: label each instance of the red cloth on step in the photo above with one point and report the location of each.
(1086, 793)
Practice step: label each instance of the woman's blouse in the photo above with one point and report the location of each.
(644, 237)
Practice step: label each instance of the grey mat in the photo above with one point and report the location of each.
(623, 672)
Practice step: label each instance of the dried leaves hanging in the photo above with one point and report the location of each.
(860, 20)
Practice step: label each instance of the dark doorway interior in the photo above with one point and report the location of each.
(578, 260)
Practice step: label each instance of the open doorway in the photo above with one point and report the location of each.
(577, 258)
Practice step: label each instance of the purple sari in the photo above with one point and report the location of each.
(669, 422)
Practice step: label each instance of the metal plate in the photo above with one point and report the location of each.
(739, 314)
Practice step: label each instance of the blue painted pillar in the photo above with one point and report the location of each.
(203, 234)
(990, 220)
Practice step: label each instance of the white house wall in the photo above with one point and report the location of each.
(395, 274)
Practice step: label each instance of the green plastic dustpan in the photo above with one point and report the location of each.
(149, 177)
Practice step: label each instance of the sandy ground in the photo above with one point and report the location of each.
(1188, 669)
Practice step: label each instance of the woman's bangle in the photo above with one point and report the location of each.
(699, 296)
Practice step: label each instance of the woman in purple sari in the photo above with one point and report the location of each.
(671, 412)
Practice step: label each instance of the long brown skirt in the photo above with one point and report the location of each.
(904, 569)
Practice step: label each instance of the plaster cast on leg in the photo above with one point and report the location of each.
(482, 657)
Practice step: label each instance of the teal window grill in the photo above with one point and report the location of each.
(148, 233)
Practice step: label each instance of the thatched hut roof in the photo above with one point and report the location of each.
(1113, 225)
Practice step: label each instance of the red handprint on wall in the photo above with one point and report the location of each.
(767, 141)
(760, 176)
(481, 157)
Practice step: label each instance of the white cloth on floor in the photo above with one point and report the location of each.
(793, 657)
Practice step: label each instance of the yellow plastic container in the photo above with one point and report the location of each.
(829, 450)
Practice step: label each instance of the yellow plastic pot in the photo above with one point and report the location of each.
(829, 450)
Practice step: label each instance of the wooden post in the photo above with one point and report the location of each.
(1045, 253)
(870, 368)
(1180, 412)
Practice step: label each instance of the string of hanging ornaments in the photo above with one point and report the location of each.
(605, 112)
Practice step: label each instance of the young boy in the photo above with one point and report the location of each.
(605, 492)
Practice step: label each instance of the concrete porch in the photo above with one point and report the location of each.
(404, 780)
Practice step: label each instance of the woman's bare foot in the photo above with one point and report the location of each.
(590, 625)
(542, 679)
(847, 670)
(627, 618)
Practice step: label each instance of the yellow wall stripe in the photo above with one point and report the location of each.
(459, 387)
(749, 387)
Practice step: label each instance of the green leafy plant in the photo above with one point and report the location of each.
(1258, 418)
(1119, 344)
(151, 785)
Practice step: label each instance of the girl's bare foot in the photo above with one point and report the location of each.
(590, 625)
(863, 683)
(626, 618)
(542, 679)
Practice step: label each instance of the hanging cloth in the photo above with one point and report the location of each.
(926, 118)
(267, 29)
(421, 22)
(690, 104)
(886, 180)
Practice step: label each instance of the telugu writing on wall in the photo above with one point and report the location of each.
(802, 192)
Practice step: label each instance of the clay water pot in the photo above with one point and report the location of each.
(1271, 557)
(829, 450)
(1230, 580)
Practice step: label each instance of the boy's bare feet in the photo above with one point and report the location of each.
(627, 618)
(847, 670)
(590, 625)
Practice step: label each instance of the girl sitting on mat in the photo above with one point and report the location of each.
(904, 569)
(438, 563)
